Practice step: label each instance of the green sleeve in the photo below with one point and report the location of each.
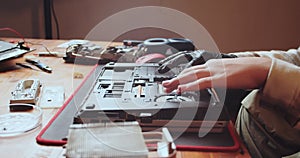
(282, 88)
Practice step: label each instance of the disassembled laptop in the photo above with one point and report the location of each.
(129, 92)
(134, 92)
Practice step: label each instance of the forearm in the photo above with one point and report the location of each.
(291, 56)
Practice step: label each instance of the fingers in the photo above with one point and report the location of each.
(170, 86)
(186, 77)
(193, 69)
(199, 84)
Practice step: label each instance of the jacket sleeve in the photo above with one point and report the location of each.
(291, 56)
(282, 88)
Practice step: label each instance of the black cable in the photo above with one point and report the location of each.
(163, 95)
(55, 19)
(48, 19)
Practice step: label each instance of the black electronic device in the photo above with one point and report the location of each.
(150, 50)
(134, 92)
(166, 46)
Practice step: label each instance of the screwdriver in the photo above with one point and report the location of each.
(26, 66)
(38, 64)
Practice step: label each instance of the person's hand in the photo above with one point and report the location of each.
(189, 58)
(236, 73)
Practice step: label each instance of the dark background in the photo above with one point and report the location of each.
(235, 25)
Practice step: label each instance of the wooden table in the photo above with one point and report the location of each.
(62, 75)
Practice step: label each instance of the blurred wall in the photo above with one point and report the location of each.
(235, 25)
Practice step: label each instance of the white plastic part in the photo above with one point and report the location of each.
(26, 91)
